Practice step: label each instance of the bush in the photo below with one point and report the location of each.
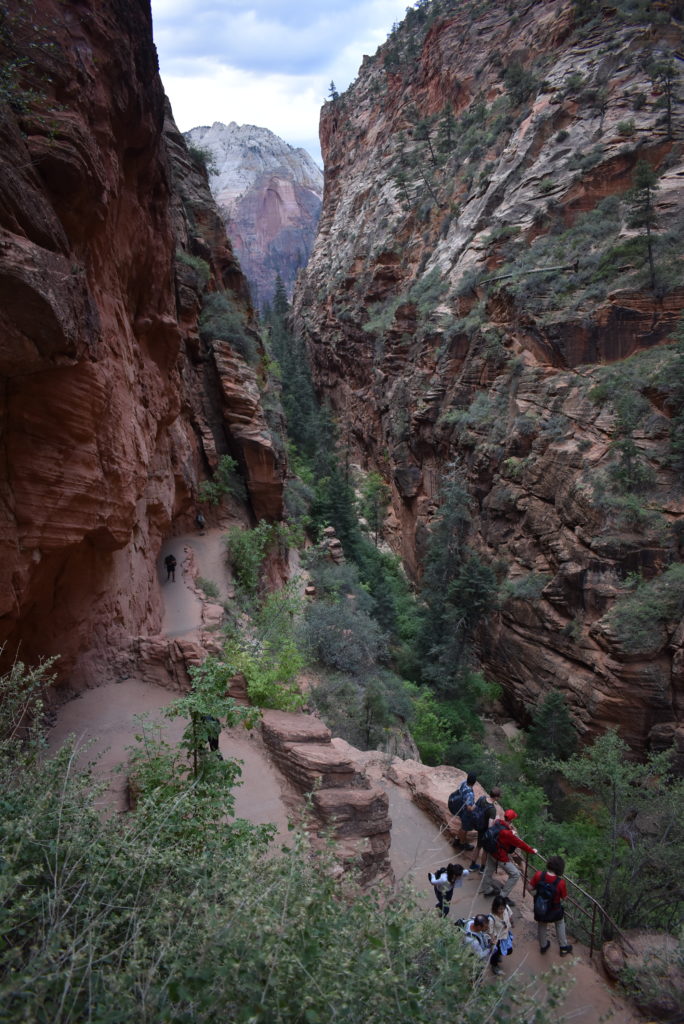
(200, 266)
(246, 553)
(220, 320)
(342, 636)
(639, 619)
(225, 481)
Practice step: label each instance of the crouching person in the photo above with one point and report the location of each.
(443, 881)
(478, 937)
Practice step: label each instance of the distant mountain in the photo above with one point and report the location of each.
(269, 194)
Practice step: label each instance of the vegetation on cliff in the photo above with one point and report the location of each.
(175, 912)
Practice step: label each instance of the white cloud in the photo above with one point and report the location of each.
(264, 62)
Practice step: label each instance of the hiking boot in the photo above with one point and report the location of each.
(482, 868)
(545, 949)
(564, 950)
(474, 866)
(497, 970)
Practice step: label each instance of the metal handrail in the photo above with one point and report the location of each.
(595, 905)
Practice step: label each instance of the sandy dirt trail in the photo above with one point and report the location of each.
(104, 722)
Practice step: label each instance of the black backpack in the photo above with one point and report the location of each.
(480, 814)
(490, 839)
(456, 799)
(544, 908)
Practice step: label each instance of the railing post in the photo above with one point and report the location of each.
(593, 922)
(527, 856)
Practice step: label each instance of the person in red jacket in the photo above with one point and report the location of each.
(507, 841)
(549, 889)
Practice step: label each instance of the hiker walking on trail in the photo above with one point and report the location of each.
(443, 881)
(549, 890)
(461, 804)
(499, 841)
(483, 815)
(501, 930)
(170, 563)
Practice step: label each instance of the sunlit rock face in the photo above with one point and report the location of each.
(112, 407)
(270, 196)
(475, 271)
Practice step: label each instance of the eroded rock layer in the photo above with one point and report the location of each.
(482, 263)
(269, 194)
(113, 408)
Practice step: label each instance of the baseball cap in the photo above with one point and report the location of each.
(510, 815)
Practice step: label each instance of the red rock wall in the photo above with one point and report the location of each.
(400, 368)
(103, 427)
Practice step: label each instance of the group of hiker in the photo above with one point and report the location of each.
(490, 935)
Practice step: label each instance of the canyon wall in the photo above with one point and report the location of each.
(479, 301)
(269, 194)
(113, 406)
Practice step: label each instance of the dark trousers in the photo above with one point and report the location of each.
(443, 900)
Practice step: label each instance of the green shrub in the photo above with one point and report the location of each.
(209, 588)
(200, 266)
(246, 552)
(220, 320)
(225, 482)
(640, 619)
(342, 636)
(525, 588)
(626, 128)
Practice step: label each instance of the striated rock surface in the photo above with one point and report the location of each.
(269, 194)
(343, 799)
(113, 408)
(476, 275)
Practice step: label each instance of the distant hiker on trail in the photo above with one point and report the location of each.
(548, 888)
(483, 815)
(478, 937)
(499, 840)
(501, 930)
(213, 729)
(444, 880)
(200, 522)
(461, 803)
(170, 563)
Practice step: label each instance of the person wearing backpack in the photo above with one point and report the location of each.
(549, 890)
(483, 815)
(170, 564)
(501, 930)
(477, 936)
(461, 804)
(504, 841)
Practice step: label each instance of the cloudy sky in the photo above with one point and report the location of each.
(265, 62)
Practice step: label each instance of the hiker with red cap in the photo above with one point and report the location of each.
(499, 841)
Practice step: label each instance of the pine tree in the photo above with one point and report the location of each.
(552, 733)
(641, 201)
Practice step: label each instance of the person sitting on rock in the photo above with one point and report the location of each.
(444, 880)
(170, 563)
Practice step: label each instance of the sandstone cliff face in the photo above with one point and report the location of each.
(270, 196)
(474, 272)
(111, 408)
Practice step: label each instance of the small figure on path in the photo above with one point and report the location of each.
(483, 815)
(213, 729)
(461, 803)
(501, 929)
(504, 842)
(200, 522)
(444, 880)
(170, 563)
(549, 889)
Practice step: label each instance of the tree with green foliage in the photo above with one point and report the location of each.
(333, 94)
(458, 591)
(638, 809)
(551, 732)
(225, 481)
(375, 496)
(642, 212)
(665, 77)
